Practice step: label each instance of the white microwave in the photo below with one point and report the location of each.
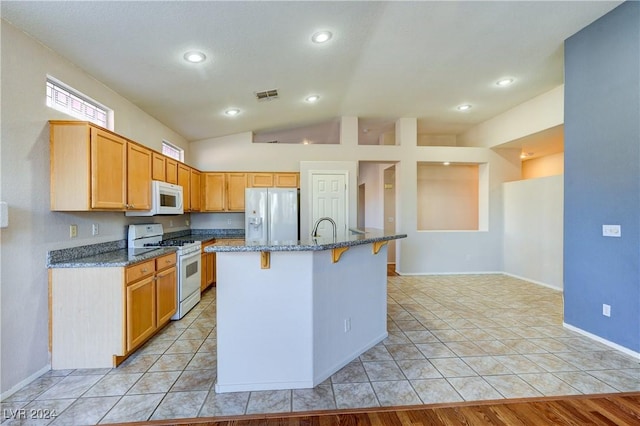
(166, 198)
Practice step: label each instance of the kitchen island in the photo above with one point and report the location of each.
(292, 313)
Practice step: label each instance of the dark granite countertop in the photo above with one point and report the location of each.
(311, 244)
(115, 258)
(116, 254)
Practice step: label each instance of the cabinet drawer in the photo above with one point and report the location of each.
(165, 261)
(135, 272)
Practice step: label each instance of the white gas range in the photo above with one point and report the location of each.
(149, 237)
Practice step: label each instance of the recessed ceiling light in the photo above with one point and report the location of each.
(194, 57)
(321, 36)
(446, 163)
(312, 98)
(232, 112)
(464, 107)
(504, 82)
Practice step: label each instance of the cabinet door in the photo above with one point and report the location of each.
(141, 311)
(211, 271)
(214, 192)
(172, 170)
(108, 170)
(138, 177)
(166, 295)
(195, 190)
(260, 180)
(158, 167)
(236, 184)
(184, 180)
(287, 180)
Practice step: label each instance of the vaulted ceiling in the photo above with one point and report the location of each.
(385, 59)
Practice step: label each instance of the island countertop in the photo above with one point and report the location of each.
(367, 236)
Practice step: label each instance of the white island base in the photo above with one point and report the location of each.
(290, 319)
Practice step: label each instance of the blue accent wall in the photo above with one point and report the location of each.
(602, 176)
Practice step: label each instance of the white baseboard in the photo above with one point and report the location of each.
(603, 341)
(552, 287)
(425, 274)
(15, 388)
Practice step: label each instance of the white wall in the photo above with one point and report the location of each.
(371, 174)
(549, 165)
(421, 252)
(540, 113)
(33, 229)
(533, 229)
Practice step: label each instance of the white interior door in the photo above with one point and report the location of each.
(329, 199)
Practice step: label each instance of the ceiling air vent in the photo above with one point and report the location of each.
(267, 95)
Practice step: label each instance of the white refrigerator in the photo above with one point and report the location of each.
(271, 214)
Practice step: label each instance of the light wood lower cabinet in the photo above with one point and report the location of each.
(101, 315)
(141, 311)
(208, 267)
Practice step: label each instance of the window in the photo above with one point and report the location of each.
(170, 150)
(65, 99)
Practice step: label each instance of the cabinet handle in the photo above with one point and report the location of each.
(144, 271)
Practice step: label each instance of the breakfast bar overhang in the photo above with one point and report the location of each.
(290, 314)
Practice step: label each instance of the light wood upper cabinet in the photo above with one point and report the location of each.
(287, 180)
(260, 180)
(171, 170)
(158, 167)
(214, 187)
(108, 170)
(95, 169)
(138, 177)
(88, 167)
(236, 184)
(184, 180)
(273, 180)
(195, 184)
(224, 192)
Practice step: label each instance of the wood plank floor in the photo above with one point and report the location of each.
(610, 409)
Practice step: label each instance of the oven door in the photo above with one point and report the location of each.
(189, 281)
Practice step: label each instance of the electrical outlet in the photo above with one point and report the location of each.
(606, 310)
(171, 224)
(228, 221)
(95, 229)
(611, 231)
(186, 222)
(347, 325)
(73, 231)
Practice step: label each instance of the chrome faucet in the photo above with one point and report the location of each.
(315, 227)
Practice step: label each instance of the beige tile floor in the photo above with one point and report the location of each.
(451, 338)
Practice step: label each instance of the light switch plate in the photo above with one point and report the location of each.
(611, 231)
